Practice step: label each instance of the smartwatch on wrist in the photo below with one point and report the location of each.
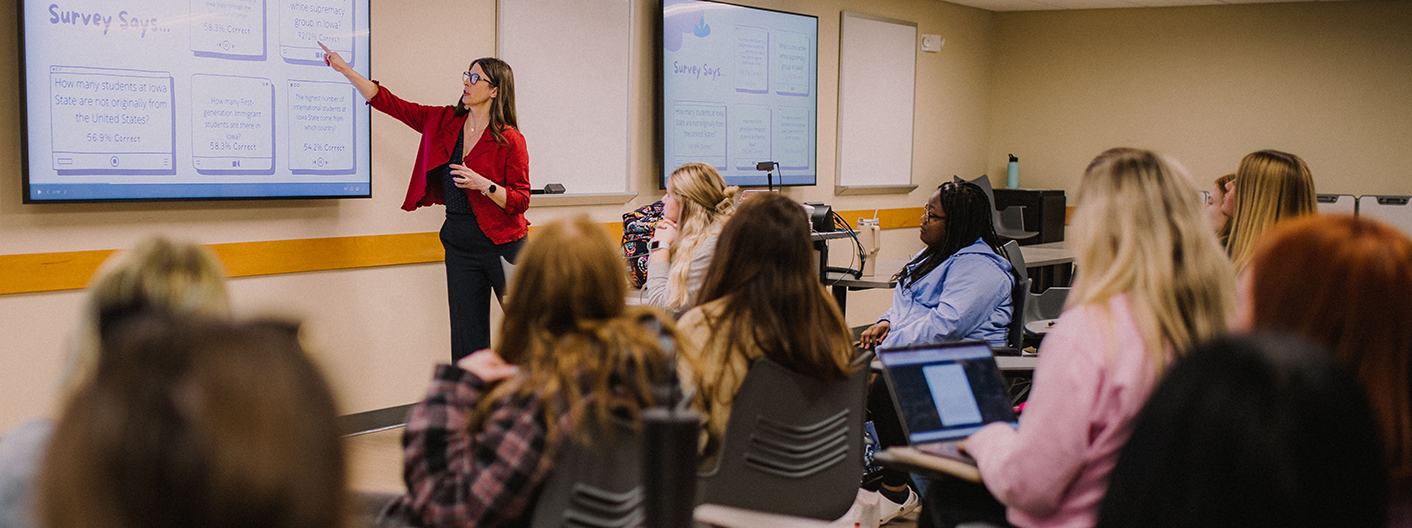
(490, 190)
(657, 244)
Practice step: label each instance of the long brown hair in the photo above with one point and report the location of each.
(581, 350)
(764, 273)
(1269, 186)
(197, 423)
(1346, 283)
(502, 106)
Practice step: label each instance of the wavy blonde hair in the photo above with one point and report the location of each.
(1269, 186)
(580, 349)
(156, 274)
(706, 203)
(1140, 231)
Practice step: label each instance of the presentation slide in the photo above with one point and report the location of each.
(740, 87)
(193, 99)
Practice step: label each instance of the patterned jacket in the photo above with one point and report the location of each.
(484, 479)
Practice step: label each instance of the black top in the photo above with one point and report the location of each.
(454, 197)
(458, 207)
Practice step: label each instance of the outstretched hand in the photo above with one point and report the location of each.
(333, 59)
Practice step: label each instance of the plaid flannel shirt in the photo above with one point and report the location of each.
(459, 479)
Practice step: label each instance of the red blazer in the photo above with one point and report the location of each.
(507, 165)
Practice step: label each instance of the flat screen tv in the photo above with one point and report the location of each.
(192, 99)
(739, 88)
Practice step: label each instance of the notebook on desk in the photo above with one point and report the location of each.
(945, 392)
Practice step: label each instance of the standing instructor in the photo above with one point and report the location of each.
(472, 158)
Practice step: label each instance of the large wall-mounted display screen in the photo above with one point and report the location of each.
(739, 87)
(193, 99)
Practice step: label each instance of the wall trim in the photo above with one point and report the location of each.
(71, 270)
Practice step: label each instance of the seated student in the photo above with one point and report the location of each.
(191, 422)
(1134, 309)
(697, 204)
(1269, 186)
(482, 443)
(1265, 431)
(156, 274)
(1346, 283)
(958, 287)
(762, 298)
(1218, 206)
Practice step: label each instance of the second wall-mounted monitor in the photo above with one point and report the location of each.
(739, 87)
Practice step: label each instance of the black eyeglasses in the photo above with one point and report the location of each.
(475, 78)
(927, 215)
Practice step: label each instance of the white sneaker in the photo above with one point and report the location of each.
(888, 510)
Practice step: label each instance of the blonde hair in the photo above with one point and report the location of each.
(1269, 186)
(156, 274)
(706, 203)
(1140, 231)
(568, 328)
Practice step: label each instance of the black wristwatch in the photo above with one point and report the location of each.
(491, 189)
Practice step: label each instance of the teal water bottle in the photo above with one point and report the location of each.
(1012, 173)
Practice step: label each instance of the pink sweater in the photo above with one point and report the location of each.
(1092, 379)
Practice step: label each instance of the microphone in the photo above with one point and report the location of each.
(768, 167)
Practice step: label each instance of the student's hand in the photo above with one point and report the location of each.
(666, 232)
(488, 366)
(332, 59)
(874, 335)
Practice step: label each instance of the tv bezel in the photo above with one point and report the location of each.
(659, 102)
(28, 198)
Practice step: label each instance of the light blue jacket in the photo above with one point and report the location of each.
(967, 297)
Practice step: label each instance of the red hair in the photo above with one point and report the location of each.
(1346, 283)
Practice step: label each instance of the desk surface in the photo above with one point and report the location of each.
(1047, 254)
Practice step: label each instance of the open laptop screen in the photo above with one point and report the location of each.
(946, 391)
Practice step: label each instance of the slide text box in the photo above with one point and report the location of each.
(232, 124)
(109, 121)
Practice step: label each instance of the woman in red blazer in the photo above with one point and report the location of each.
(472, 158)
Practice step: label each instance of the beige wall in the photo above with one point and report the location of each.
(380, 330)
(1331, 82)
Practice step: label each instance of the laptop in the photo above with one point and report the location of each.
(944, 392)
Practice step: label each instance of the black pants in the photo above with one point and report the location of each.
(473, 271)
(951, 501)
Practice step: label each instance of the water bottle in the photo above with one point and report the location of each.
(1012, 173)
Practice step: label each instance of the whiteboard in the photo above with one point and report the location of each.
(877, 72)
(572, 63)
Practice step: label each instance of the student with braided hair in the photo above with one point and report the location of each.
(958, 287)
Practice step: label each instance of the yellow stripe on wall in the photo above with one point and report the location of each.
(71, 270)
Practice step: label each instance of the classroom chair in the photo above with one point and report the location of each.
(1010, 223)
(1036, 307)
(1337, 204)
(1394, 210)
(598, 485)
(793, 446)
